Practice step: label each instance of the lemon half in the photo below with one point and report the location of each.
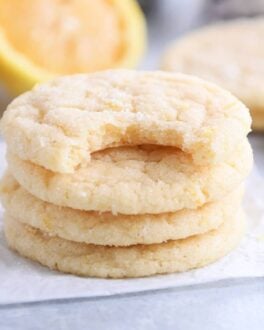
(40, 39)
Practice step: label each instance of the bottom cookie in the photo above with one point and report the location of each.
(119, 262)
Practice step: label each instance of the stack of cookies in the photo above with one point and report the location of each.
(125, 174)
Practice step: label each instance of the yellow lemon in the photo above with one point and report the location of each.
(40, 39)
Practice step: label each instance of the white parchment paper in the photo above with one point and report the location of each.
(24, 281)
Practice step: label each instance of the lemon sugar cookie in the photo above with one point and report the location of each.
(230, 54)
(107, 229)
(136, 180)
(120, 262)
(59, 124)
(125, 174)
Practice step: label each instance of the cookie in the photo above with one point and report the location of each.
(119, 262)
(135, 180)
(59, 124)
(107, 229)
(229, 54)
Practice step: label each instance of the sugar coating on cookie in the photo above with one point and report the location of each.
(136, 180)
(119, 262)
(107, 229)
(59, 124)
(229, 54)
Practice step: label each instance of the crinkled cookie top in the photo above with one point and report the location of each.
(59, 124)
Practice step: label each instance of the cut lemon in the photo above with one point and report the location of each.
(40, 39)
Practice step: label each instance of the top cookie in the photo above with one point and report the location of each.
(58, 124)
(229, 54)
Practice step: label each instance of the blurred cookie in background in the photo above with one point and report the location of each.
(230, 54)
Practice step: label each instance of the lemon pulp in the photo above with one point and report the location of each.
(43, 38)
